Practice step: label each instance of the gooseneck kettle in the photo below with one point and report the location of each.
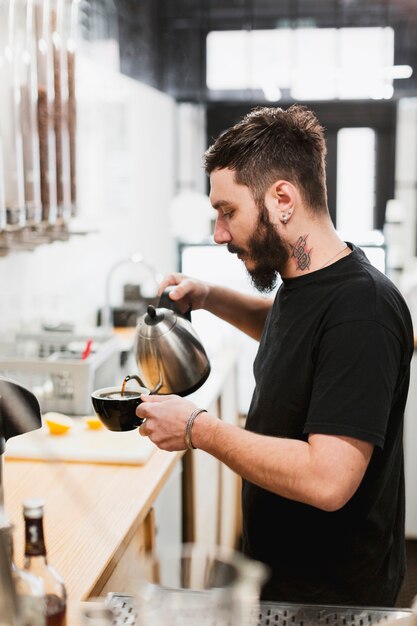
(169, 355)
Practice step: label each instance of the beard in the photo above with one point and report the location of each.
(267, 251)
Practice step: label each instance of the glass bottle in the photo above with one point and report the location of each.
(10, 129)
(45, 110)
(29, 588)
(36, 562)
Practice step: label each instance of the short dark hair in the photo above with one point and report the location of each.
(271, 143)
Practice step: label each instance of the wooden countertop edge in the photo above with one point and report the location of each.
(145, 508)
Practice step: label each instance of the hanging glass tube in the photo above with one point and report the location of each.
(26, 55)
(62, 146)
(45, 111)
(10, 129)
(70, 42)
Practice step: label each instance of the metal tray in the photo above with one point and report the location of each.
(273, 613)
(277, 614)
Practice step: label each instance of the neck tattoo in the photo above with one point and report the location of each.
(334, 257)
(301, 254)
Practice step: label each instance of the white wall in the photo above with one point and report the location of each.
(406, 171)
(125, 184)
(406, 197)
(191, 136)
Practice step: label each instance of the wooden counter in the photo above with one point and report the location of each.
(94, 514)
(91, 513)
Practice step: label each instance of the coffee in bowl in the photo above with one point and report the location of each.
(116, 408)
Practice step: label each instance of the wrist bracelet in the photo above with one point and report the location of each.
(189, 426)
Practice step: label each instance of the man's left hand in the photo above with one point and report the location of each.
(166, 418)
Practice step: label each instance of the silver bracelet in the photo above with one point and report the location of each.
(189, 426)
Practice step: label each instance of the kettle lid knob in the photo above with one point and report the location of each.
(151, 311)
(153, 316)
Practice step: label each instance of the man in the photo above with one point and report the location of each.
(321, 455)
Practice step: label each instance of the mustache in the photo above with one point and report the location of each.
(234, 249)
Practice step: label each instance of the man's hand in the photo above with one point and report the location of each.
(188, 292)
(166, 418)
(244, 311)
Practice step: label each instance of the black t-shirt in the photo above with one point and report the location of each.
(334, 358)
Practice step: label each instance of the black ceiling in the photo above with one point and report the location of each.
(162, 42)
(261, 13)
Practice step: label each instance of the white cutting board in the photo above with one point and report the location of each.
(82, 444)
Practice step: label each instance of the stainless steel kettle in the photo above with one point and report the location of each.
(169, 355)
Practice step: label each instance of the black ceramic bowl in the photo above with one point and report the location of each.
(116, 411)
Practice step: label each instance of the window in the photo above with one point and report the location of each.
(309, 63)
(355, 180)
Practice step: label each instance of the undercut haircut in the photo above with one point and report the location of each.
(270, 144)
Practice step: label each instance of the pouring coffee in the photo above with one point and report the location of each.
(170, 359)
(116, 406)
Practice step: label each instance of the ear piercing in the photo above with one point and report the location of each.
(286, 216)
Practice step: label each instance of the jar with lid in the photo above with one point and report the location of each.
(45, 111)
(10, 129)
(26, 57)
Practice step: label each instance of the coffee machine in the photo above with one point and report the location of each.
(19, 413)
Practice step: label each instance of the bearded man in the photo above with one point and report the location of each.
(321, 455)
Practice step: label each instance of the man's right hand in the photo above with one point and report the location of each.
(188, 292)
(244, 311)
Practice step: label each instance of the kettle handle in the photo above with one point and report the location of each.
(166, 303)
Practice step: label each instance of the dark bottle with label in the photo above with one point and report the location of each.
(36, 562)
